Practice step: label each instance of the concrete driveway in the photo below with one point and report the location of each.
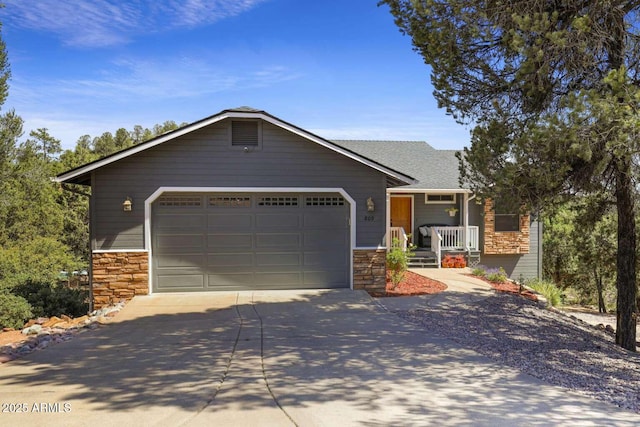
(332, 358)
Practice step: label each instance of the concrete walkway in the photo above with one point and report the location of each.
(308, 358)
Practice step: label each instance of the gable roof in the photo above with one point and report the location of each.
(433, 169)
(82, 174)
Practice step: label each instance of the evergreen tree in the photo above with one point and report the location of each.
(552, 87)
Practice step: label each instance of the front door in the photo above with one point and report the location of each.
(401, 207)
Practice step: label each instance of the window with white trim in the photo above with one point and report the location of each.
(447, 198)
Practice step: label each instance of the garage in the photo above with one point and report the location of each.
(249, 241)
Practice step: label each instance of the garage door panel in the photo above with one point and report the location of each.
(231, 280)
(256, 241)
(278, 259)
(280, 220)
(230, 220)
(325, 239)
(278, 241)
(230, 260)
(325, 278)
(325, 258)
(179, 260)
(279, 279)
(176, 283)
(230, 241)
(181, 241)
(330, 217)
(181, 222)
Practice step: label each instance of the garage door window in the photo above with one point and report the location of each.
(179, 201)
(278, 201)
(324, 201)
(230, 202)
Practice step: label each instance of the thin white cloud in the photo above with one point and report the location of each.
(163, 80)
(96, 23)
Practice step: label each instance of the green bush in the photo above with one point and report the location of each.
(14, 311)
(48, 300)
(40, 259)
(397, 262)
(479, 271)
(547, 289)
(496, 275)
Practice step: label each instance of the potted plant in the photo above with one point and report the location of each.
(448, 261)
(452, 211)
(460, 261)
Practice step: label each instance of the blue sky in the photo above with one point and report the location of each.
(338, 68)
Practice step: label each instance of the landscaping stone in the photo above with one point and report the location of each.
(44, 332)
(32, 330)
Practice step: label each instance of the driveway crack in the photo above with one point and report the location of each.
(229, 362)
(262, 366)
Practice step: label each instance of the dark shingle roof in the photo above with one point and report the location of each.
(434, 169)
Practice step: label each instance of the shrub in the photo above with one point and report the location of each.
(397, 262)
(547, 289)
(496, 275)
(48, 300)
(40, 259)
(479, 271)
(14, 311)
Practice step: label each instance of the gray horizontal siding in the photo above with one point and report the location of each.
(516, 266)
(204, 159)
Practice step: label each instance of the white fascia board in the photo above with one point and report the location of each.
(217, 118)
(427, 190)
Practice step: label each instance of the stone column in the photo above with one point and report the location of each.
(119, 276)
(370, 270)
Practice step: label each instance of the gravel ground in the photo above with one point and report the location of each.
(546, 344)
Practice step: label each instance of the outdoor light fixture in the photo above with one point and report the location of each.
(127, 205)
(370, 205)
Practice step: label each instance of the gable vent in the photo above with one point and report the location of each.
(245, 133)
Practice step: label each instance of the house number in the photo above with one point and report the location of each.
(368, 217)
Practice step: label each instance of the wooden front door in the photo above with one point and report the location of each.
(401, 208)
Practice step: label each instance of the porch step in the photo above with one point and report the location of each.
(423, 259)
(426, 259)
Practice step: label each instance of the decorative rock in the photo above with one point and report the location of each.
(52, 322)
(47, 331)
(4, 358)
(32, 330)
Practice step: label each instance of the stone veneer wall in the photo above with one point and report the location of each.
(504, 242)
(119, 276)
(370, 269)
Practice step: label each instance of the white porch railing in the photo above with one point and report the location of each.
(436, 244)
(452, 238)
(399, 234)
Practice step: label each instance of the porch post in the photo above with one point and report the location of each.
(388, 220)
(465, 220)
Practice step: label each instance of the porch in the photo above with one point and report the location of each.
(438, 241)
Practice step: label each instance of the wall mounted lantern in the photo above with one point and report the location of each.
(127, 204)
(370, 205)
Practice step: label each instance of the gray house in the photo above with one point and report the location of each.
(438, 216)
(244, 200)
